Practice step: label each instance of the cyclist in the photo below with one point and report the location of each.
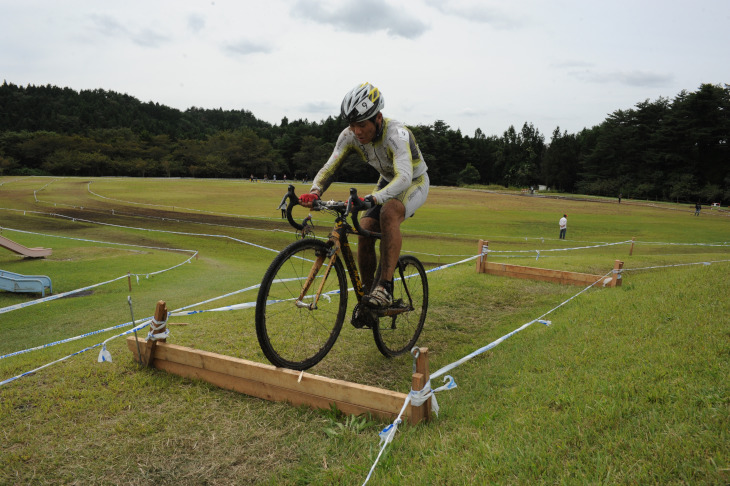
(390, 147)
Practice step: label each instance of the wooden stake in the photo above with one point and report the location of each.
(129, 280)
(151, 344)
(631, 250)
(418, 381)
(616, 279)
(481, 260)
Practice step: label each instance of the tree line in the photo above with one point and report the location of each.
(664, 149)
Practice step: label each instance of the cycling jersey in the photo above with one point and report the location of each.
(394, 154)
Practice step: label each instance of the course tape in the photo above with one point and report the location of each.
(27, 373)
(388, 433)
(182, 233)
(183, 311)
(76, 291)
(88, 188)
(560, 249)
(173, 207)
(707, 263)
(105, 356)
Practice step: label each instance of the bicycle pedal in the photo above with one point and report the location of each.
(363, 317)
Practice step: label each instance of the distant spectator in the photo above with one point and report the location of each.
(251, 178)
(697, 208)
(563, 226)
(282, 206)
(619, 197)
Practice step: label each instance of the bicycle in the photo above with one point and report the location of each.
(302, 303)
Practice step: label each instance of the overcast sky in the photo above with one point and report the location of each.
(471, 63)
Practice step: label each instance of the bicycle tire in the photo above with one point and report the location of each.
(298, 337)
(397, 334)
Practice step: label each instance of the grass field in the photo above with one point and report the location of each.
(627, 386)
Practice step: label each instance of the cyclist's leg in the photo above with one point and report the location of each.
(366, 258)
(394, 212)
(391, 217)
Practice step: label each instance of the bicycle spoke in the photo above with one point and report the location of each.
(292, 335)
(398, 332)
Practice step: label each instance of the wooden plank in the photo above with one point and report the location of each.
(281, 377)
(277, 384)
(544, 274)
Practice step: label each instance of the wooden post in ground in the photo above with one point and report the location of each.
(616, 278)
(129, 280)
(631, 250)
(151, 344)
(483, 250)
(418, 381)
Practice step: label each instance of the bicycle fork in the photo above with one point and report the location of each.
(332, 255)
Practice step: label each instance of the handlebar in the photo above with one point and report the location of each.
(351, 207)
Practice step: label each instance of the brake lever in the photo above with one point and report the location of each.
(351, 201)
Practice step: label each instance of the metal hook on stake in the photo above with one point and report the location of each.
(416, 352)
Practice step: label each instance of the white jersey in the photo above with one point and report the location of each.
(394, 154)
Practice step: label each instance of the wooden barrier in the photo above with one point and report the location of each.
(284, 385)
(544, 274)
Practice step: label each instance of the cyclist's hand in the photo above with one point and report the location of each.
(364, 203)
(370, 201)
(307, 200)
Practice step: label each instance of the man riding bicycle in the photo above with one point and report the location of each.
(390, 147)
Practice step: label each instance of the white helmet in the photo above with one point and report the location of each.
(362, 103)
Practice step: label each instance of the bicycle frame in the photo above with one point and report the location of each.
(339, 245)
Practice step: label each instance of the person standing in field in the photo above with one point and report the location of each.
(563, 226)
(282, 207)
(698, 208)
(389, 147)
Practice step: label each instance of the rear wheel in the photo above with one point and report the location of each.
(400, 326)
(293, 335)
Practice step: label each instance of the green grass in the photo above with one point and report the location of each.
(627, 386)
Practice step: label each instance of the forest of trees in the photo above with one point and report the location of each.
(665, 149)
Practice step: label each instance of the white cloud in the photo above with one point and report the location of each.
(196, 22)
(628, 78)
(362, 17)
(478, 11)
(245, 47)
(109, 26)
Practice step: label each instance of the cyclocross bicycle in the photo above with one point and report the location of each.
(302, 301)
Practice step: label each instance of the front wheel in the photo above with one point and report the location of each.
(293, 333)
(398, 332)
